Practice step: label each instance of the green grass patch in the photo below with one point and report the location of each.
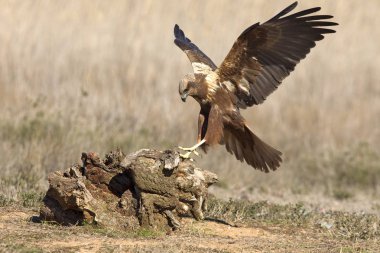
(37, 127)
(31, 199)
(148, 233)
(25, 199)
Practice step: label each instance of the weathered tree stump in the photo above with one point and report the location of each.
(147, 188)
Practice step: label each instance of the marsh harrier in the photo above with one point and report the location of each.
(261, 57)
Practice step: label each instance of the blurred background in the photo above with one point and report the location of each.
(78, 76)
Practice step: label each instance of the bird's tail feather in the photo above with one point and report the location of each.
(246, 146)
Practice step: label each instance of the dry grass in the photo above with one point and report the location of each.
(352, 226)
(92, 75)
(266, 228)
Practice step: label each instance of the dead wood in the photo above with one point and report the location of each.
(147, 188)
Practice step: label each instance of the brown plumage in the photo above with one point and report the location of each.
(261, 57)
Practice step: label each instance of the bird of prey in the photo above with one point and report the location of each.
(261, 57)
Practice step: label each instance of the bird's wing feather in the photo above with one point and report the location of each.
(264, 54)
(246, 146)
(201, 63)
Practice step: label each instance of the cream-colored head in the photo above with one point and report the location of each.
(187, 86)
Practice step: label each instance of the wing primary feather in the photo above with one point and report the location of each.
(285, 11)
(323, 30)
(178, 33)
(315, 17)
(322, 23)
(302, 13)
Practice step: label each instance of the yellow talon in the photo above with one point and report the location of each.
(191, 150)
(186, 149)
(186, 155)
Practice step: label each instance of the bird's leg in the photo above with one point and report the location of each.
(201, 124)
(193, 149)
(201, 121)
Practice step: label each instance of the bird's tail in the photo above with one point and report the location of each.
(245, 145)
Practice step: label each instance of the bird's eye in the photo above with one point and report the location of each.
(186, 90)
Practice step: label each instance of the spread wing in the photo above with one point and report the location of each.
(201, 63)
(264, 54)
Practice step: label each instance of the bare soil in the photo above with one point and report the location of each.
(20, 234)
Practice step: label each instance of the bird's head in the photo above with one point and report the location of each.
(187, 86)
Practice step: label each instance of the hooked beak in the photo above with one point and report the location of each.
(184, 96)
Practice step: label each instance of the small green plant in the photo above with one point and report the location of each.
(31, 199)
(148, 233)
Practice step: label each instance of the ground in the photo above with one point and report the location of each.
(93, 75)
(21, 233)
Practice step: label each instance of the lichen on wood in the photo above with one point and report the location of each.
(148, 188)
